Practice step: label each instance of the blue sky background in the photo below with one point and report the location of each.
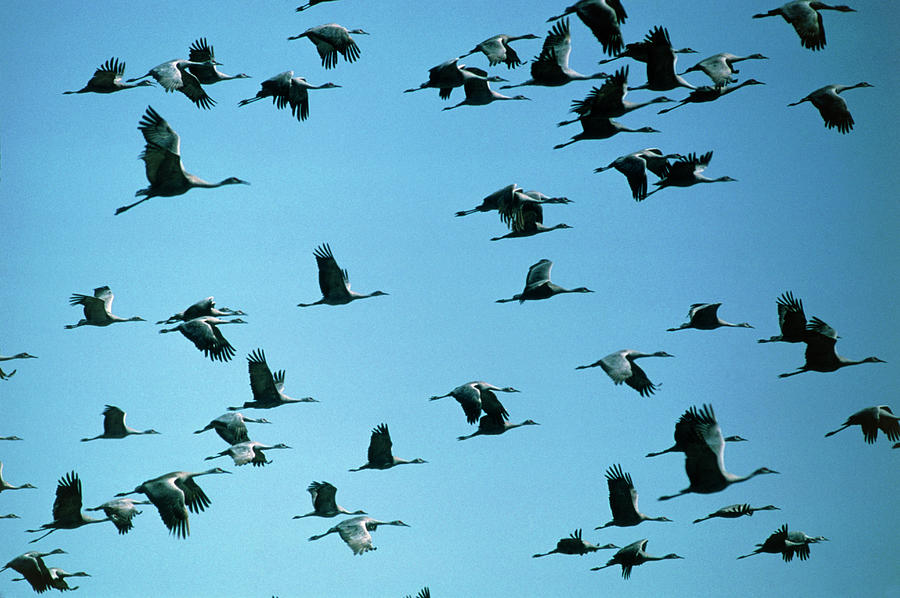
(378, 174)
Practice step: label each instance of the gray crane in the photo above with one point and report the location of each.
(204, 307)
(872, 419)
(173, 494)
(687, 171)
(831, 106)
(820, 354)
(704, 316)
(478, 90)
(709, 93)
(324, 504)
(507, 199)
(620, 366)
(108, 79)
(231, 427)
(603, 18)
(686, 430)
(623, 500)
(206, 72)
(787, 544)
(806, 19)
(333, 281)
(551, 67)
(497, 49)
(635, 166)
(355, 532)
(720, 67)
(661, 61)
(641, 51)
(633, 555)
(162, 159)
(488, 426)
(477, 397)
(114, 425)
(379, 455)
(735, 511)
(538, 285)
(449, 75)
(3, 375)
(601, 127)
(287, 90)
(249, 451)
(525, 218)
(67, 508)
(574, 544)
(32, 567)
(121, 511)
(174, 75)
(332, 39)
(4, 485)
(608, 100)
(791, 320)
(97, 309)
(56, 578)
(268, 389)
(205, 334)
(704, 458)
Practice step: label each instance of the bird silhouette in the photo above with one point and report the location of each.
(633, 555)
(108, 79)
(574, 544)
(620, 366)
(806, 19)
(114, 425)
(287, 90)
(538, 285)
(379, 455)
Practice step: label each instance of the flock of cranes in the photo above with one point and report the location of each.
(697, 434)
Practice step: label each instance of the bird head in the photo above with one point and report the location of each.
(242, 76)
(758, 57)
(378, 294)
(418, 460)
(519, 97)
(234, 181)
(216, 470)
(496, 79)
(647, 130)
(662, 354)
(744, 325)
(582, 290)
(359, 32)
(753, 82)
(329, 85)
(530, 36)
(508, 389)
(28, 486)
(673, 556)
(735, 439)
(146, 83)
(764, 470)
(151, 431)
(661, 99)
(136, 319)
(530, 422)
(24, 356)
(281, 445)
(873, 359)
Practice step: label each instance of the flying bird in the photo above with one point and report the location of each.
(538, 285)
(121, 511)
(449, 75)
(601, 127)
(608, 100)
(497, 49)
(831, 106)
(735, 511)
(56, 578)
(620, 366)
(204, 307)
(574, 544)
(332, 39)
(268, 389)
(525, 218)
(791, 320)
(162, 161)
(97, 309)
(477, 397)
(708, 93)
(704, 316)
(603, 18)
(333, 281)
(175, 76)
(806, 19)
(4, 485)
(488, 426)
(287, 90)
(206, 72)
(67, 508)
(623, 500)
(476, 84)
(108, 79)
(872, 419)
(787, 544)
(820, 354)
(635, 166)
(231, 427)
(686, 171)
(633, 555)
(205, 334)
(32, 567)
(720, 67)
(249, 451)
(355, 532)
(686, 430)
(661, 61)
(507, 199)
(3, 375)
(324, 505)
(380, 456)
(114, 425)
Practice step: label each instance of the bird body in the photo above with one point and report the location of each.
(323, 499)
(488, 426)
(174, 75)
(286, 89)
(831, 106)
(379, 455)
(538, 285)
(620, 366)
(477, 397)
(332, 39)
(355, 532)
(820, 354)
(268, 389)
(603, 18)
(206, 72)
(108, 79)
(333, 281)
(735, 511)
(497, 49)
(231, 427)
(114, 425)
(97, 309)
(806, 19)
(635, 166)
(872, 419)
(67, 507)
(205, 334)
(574, 544)
(204, 307)
(623, 500)
(633, 555)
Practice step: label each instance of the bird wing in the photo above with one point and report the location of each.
(791, 318)
(820, 340)
(889, 425)
(617, 367)
(233, 431)
(324, 39)
(497, 52)
(469, 399)
(299, 98)
(380, 446)
(261, 381)
(660, 57)
(109, 73)
(603, 21)
(716, 68)
(808, 24)
(201, 308)
(113, 421)
(121, 512)
(639, 381)
(207, 338)
(623, 498)
(201, 51)
(634, 167)
(539, 273)
(162, 152)
(493, 407)
(355, 534)
(323, 496)
(94, 309)
(168, 498)
(67, 505)
(332, 280)
(833, 109)
(194, 497)
(554, 56)
(605, 100)
(704, 463)
(704, 314)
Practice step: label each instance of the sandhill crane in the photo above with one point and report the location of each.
(497, 49)
(56, 578)
(173, 494)
(448, 75)
(735, 511)
(820, 354)
(551, 67)
(508, 197)
(249, 452)
(635, 166)
(623, 500)
(478, 90)
(478, 396)
(806, 19)
(231, 427)
(620, 366)
(686, 171)
(791, 320)
(121, 511)
(4, 485)
(162, 159)
(175, 76)
(872, 419)
(787, 544)
(708, 93)
(67, 508)
(632, 556)
(205, 334)
(704, 458)
(608, 100)
(686, 430)
(206, 72)
(310, 4)
(600, 127)
(380, 456)
(538, 285)
(286, 89)
(355, 532)
(575, 545)
(331, 39)
(324, 505)
(108, 79)
(32, 567)
(268, 389)
(97, 309)
(661, 60)
(831, 106)
(114, 425)
(603, 18)
(525, 218)
(488, 426)
(720, 67)
(204, 307)
(3, 375)
(704, 316)
(641, 51)
(333, 281)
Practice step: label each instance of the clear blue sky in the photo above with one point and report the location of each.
(378, 174)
